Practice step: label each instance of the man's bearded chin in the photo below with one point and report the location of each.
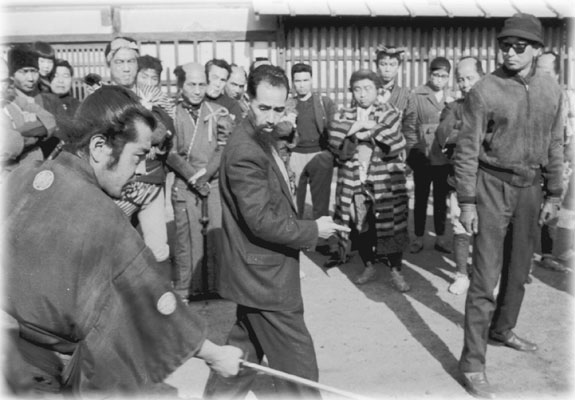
(266, 139)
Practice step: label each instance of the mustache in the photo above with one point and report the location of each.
(266, 139)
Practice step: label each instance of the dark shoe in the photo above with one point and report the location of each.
(416, 245)
(477, 385)
(332, 261)
(513, 341)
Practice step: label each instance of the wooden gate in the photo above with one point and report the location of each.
(335, 47)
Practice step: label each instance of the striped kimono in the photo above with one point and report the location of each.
(385, 178)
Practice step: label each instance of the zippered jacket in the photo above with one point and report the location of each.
(513, 129)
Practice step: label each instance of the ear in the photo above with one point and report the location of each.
(99, 149)
(538, 52)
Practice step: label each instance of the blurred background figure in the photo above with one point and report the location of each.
(558, 236)
(429, 164)
(468, 72)
(46, 60)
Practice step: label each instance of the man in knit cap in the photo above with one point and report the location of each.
(511, 137)
(26, 110)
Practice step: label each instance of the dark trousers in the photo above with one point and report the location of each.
(504, 247)
(285, 341)
(546, 240)
(318, 173)
(423, 177)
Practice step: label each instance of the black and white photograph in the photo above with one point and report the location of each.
(287, 199)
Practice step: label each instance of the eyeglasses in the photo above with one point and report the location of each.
(440, 76)
(518, 47)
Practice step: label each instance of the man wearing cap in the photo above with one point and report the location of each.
(25, 109)
(511, 138)
(429, 164)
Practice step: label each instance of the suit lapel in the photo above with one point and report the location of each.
(284, 185)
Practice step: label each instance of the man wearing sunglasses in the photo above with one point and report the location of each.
(510, 140)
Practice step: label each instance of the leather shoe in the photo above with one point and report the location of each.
(476, 384)
(513, 341)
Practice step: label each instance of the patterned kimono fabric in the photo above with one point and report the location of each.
(381, 183)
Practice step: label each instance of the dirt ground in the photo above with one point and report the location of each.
(376, 342)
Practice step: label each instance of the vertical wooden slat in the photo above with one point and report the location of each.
(176, 53)
(196, 51)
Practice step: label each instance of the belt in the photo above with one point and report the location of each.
(37, 345)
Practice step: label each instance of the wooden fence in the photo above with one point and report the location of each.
(89, 57)
(334, 46)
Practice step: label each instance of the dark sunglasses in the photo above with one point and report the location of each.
(518, 47)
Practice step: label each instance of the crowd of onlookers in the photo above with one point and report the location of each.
(372, 190)
(497, 161)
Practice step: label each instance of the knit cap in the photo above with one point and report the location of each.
(523, 26)
(21, 57)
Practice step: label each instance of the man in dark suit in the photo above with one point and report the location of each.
(262, 238)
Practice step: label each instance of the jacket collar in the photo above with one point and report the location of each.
(78, 165)
(503, 72)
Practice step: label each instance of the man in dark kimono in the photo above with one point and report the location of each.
(89, 310)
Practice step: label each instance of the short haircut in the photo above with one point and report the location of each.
(218, 63)
(478, 66)
(44, 50)
(364, 74)
(440, 63)
(556, 61)
(149, 62)
(61, 63)
(233, 65)
(110, 111)
(264, 60)
(300, 67)
(274, 76)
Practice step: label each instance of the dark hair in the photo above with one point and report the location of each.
(180, 76)
(364, 74)
(274, 76)
(440, 63)
(61, 63)
(218, 63)
(92, 79)
(478, 66)
(149, 62)
(398, 55)
(110, 111)
(300, 67)
(44, 50)
(556, 61)
(257, 60)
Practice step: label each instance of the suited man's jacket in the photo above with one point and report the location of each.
(262, 236)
